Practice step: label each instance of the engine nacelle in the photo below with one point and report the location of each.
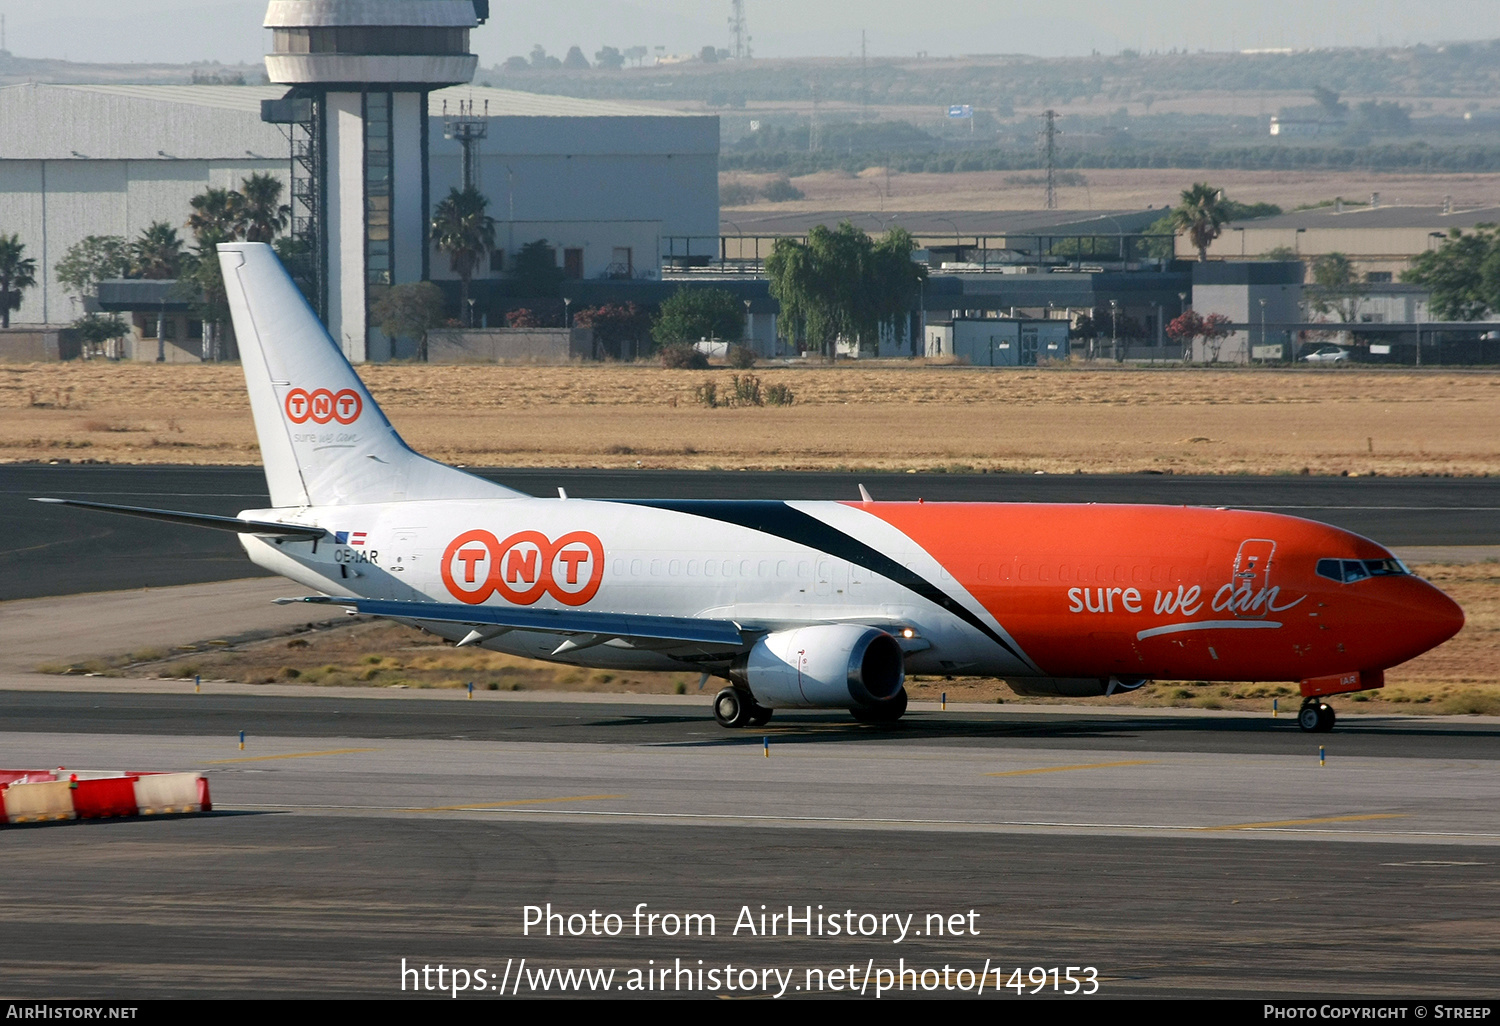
(830, 666)
(1073, 687)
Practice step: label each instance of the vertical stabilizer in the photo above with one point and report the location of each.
(323, 440)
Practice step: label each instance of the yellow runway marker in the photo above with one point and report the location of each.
(1065, 769)
(1307, 822)
(292, 755)
(520, 801)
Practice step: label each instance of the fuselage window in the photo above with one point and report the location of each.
(617, 567)
(656, 568)
(783, 568)
(692, 568)
(635, 568)
(674, 568)
(804, 569)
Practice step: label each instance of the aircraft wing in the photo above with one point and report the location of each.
(265, 528)
(599, 626)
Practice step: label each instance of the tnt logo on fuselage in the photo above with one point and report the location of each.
(320, 406)
(523, 567)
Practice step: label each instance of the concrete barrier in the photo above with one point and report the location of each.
(37, 796)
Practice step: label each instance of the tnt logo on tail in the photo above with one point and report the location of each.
(321, 406)
(523, 567)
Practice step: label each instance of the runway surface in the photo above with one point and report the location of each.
(52, 551)
(1185, 855)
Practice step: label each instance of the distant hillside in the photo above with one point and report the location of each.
(15, 69)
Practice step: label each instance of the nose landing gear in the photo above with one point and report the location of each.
(1315, 717)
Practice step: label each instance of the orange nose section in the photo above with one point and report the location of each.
(1427, 617)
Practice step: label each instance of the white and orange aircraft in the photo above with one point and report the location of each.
(793, 604)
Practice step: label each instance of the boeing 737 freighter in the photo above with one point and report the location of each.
(793, 604)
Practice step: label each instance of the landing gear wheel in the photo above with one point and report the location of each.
(760, 716)
(1315, 717)
(888, 712)
(731, 708)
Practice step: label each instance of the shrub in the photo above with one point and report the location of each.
(745, 391)
(741, 357)
(682, 356)
(737, 194)
(522, 318)
(780, 190)
(778, 395)
(707, 394)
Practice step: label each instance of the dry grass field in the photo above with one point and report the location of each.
(1456, 678)
(1110, 189)
(897, 415)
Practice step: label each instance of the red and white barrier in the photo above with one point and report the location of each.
(39, 796)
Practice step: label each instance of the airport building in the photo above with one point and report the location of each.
(603, 183)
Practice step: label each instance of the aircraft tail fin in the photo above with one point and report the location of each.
(323, 440)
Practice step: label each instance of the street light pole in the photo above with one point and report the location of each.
(1114, 328)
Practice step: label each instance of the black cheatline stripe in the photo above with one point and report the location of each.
(770, 516)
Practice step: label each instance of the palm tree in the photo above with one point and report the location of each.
(17, 272)
(216, 215)
(1201, 215)
(262, 215)
(157, 252)
(462, 229)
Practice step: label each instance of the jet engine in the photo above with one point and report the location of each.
(829, 666)
(1073, 687)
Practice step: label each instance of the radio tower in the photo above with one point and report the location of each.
(1049, 151)
(739, 29)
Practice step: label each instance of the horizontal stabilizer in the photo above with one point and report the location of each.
(688, 630)
(261, 527)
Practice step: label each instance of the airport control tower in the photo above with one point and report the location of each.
(356, 114)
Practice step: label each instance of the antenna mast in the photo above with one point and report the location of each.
(1049, 151)
(739, 29)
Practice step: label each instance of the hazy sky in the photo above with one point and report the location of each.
(228, 30)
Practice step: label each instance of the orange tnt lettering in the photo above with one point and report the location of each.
(469, 557)
(521, 566)
(573, 557)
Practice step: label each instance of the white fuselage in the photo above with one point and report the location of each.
(655, 561)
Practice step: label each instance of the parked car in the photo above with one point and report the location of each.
(1328, 354)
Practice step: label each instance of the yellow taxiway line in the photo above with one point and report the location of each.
(520, 801)
(1065, 769)
(290, 755)
(1306, 822)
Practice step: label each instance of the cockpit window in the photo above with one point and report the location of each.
(1347, 571)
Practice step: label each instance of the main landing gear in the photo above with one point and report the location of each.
(1315, 717)
(736, 708)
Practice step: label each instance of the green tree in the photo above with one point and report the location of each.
(216, 214)
(1280, 253)
(92, 260)
(1162, 245)
(609, 58)
(157, 252)
(1201, 216)
(1336, 287)
(94, 330)
(261, 214)
(462, 229)
(535, 270)
(842, 284)
(17, 274)
(410, 311)
(575, 60)
(1463, 274)
(692, 314)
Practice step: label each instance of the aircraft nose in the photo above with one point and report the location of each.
(1434, 615)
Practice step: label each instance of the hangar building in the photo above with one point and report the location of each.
(603, 182)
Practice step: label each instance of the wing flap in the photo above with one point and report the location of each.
(688, 630)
